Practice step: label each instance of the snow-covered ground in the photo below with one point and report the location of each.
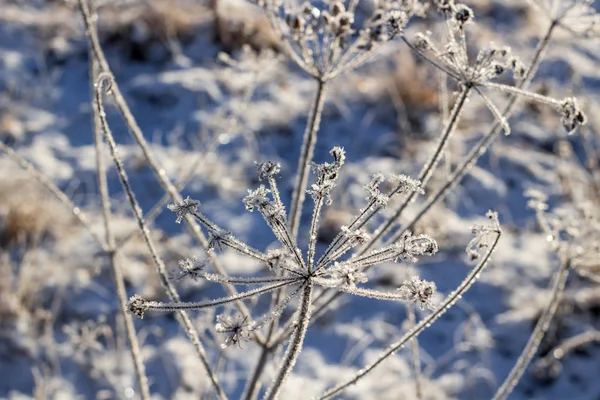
(61, 333)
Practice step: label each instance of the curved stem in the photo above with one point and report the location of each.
(306, 156)
(134, 345)
(541, 327)
(420, 327)
(159, 172)
(137, 211)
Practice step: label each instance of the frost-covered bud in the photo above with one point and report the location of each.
(347, 274)
(422, 42)
(406, 184)
(184, 207)
(339, 155)
(408, 247)
(190, 267)
(375, 194)
(137, 305)
(267, 170)
(217, 239)
(462, 15)
(518, 68)
(257, 198)
(418, 291)
(356, 237)
(396, 20)
(327, 174)
(572, 116)
(236, 329)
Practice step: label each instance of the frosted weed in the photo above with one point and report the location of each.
(327, 40)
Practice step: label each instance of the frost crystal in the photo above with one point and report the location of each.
(184, 207)
(419, 291)
(191, 267)
(267, 170)
(236, 329)
(217, 239)
(347, 274)
(257, 198)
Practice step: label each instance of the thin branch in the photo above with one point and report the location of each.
(306, 156)
(197, 305)
(428, 169)
(162, 270)
(479, 149)
(541, 327)
(134, 345)
(416, 357)
(63, 198)
(295, 345)
(159, 172)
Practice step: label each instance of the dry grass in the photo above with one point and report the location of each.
(239, 23)
(28, 215)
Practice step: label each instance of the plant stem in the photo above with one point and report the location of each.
(137, 211)
(485, 141)
(416, 358)
(421, 326)
(428, 169)
(295, 346)
(541, 327)
(52, 188)
(306, 156)
(134, 345)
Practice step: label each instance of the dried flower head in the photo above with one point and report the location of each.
(137, 305)
(236, 329)
(267, 170)
(217, 239)
(190, 268)
(484, 235)
(418, 291)
(572, 116)
(257, 198)
(184, 207)
(409, 246)
(347, 274)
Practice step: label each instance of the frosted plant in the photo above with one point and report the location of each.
(577, 16)
(419, 292)
(452, 57)
(474, 75)
(566, 237)
(324, 39)
(236, 329)
(292, 269)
